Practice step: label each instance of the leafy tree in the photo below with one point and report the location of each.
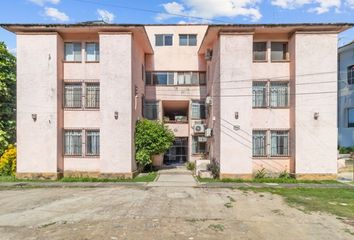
(151, 138)
(7, 98)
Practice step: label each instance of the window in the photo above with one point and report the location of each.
(72, 52)
(163, 39)
(175, 78)
(259, 94)
(73, 142)
(260, 51)
(72, 95)
(279, 51)
(259, 143)
(279, 143)
(350, 117)
(92, 52)
(93, 142)
(350, 73)
(150, 110)
(198, 146)
(279, 94)
(198, 110)
(188, 40)
(92, 95)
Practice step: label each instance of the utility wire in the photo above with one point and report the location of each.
(149, 10)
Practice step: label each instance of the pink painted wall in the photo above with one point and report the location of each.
(116, 85)
(37, 93)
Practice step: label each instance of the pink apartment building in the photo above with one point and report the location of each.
(247, 97)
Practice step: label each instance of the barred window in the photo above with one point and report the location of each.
(279, 94)
(259, 143)
(93, 142)
(350, 73)
(92, 95)
(198, 110)
(72, 52)
(73, 142)
(73, 95)
(259, 94)
(150, 110)
(279, 143)
(198, 147)
(92, 52)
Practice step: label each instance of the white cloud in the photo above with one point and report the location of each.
(350, 3)
(321, 6)
(55, 14)
(210, 9)
(105, 15)
(42, 2)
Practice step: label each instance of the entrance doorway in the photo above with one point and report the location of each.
(178, 153)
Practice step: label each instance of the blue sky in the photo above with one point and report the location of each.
(176, 11)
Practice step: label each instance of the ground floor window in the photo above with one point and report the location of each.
(350, 117)
(279, 143)
(259, 146)
(198, 145)
(278, 139)
(93, 142)
(73, 142)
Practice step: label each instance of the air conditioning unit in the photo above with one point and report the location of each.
(199, 128)
(209, 54)
(208, 101)
(208, 132)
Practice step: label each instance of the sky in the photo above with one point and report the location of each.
(176, 11)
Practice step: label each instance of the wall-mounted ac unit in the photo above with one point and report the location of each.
(199, 128)
(208, 132)
(209, 54)
(208, 101)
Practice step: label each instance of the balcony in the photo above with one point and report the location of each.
(175, 117)
(194, 78)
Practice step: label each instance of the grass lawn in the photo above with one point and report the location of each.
(339, 201)
(149, 177)
(267, 180)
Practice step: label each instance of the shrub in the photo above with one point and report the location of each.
(284, 175)
(260, 174)
(214, 168)
(190, 166)
(346, 150)
(151, 138)
(8, 161)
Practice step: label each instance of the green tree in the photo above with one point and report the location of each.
(151, 138)
(7, 98)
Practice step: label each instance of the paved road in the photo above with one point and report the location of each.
(141, 212)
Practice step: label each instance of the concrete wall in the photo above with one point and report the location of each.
(346, 96)
(235, 68)
(116, 96)
(175, 57)
(37, 93)
(316, 91)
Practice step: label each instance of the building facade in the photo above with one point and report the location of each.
(245, 97)
(346, 95)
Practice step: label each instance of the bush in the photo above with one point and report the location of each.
(260, 174)
(8, 161)
(214, 168)
(346, 150)
(284, 175)
(190, 166)
(151, 138)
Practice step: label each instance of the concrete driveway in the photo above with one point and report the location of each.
(140, 212)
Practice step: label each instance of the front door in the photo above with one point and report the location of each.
(178, 153)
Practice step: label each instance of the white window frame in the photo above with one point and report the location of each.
(163, 39)
(188, 43)
(76, 55)
(96, 52)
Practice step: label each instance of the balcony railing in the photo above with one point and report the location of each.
(175, 78)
